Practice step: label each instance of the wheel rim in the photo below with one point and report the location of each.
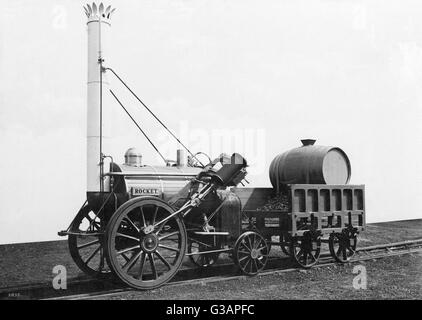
(202, 260)
(251, 253)
(88, 251)
(306, 250)
(139, 255)
(342, 246)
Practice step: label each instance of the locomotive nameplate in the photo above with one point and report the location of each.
(138, 191)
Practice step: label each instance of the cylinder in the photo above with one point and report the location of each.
(230, 216)
(98, 110)
(228, 171)
(310, 164)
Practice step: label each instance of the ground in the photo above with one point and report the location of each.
(396, 277)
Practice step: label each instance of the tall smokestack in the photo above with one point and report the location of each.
(97, 137)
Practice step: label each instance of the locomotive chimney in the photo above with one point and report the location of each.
(97, 114)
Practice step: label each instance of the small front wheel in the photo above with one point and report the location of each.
(251, 253)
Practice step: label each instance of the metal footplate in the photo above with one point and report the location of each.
(65, 233)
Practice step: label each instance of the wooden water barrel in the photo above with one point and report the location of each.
(310, 164)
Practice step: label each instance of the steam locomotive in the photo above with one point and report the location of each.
(139, 222)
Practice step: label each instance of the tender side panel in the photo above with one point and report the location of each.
(328, 208)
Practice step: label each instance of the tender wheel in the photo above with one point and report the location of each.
(306, 250)
(88, 250)
(140, 252)
(251, 253)
(343, 245)
(202, 260)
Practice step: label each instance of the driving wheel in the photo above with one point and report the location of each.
(145, 246)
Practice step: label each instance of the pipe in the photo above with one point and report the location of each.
(181, 158)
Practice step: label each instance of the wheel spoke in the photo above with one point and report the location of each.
(127, 249)
(254, 242)
(168, 248)
(143, 216)
(101, 266)
(168, 235)
(256, 265)
(163, 259)
(250, 266)
(119, 234)
(161, 226)
(125, 257)
(131, 223)
(96, 225)
(244, 244)
(88, 244)
(300, 253)
(89, 218)
(249, 242)
(141, 267)
(263, 247)
(155, 215)
(92, 255)
(246, 264)
(132, 261)
(245, 257)
(152, 262)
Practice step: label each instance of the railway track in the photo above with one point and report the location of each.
(92, 289)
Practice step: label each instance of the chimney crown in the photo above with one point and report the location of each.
(95, 13)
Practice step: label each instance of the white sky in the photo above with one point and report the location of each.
(347, 73)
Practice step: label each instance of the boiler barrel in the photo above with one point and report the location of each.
(310, 164)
